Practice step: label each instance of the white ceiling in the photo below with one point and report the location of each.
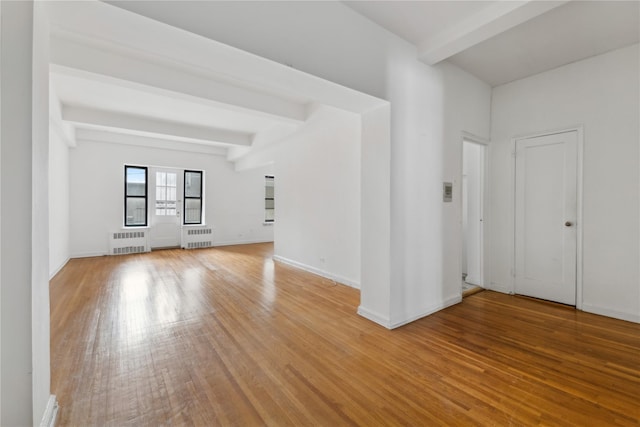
(85, 92)
(416, 21)
(107, 90)
(575, 31)
(525, 38)
(119, 78)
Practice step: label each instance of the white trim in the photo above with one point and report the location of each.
(50, 415)
(88, 254)
(374, 317)
(505, 289)
(474, 138)
(579, 129)
(57, 270)
(317, 271)
(239, 242)
(392, 323)
(484, 185)
(396, 323)
(610, 312)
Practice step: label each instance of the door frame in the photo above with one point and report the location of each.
(473, 139)
(579, 129)
(179, 203)
(467, 136)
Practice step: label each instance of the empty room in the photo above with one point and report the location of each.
(319, 213)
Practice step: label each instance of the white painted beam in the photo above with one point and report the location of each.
(94, 135)
(107, 27)
(64, 131)
(71, 52)
(490, 21)
(108, 119)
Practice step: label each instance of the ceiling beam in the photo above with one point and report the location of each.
(76, 54)
(108, 119)
(488, 22)
(95, 135)
(102, 26)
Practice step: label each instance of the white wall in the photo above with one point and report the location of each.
(15, 235)
(600, 94)
(317, 195)
(234, 202)
(430, 107)
(24, 292)
(41, 370)
(58, 190)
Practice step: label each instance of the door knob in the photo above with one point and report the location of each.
(568, 224)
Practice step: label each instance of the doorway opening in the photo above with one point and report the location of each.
(473, 182)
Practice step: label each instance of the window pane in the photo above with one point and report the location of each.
(136, 181)
(269, 214)
(161, 193)
(192, 211)
(269, 195)
(171, 179)
(161, 206)
(192, 184)
(268, 192)
(136, 211)
(171, 212)
(171, 193)
(161, 179)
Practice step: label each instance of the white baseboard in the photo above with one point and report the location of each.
(472, 280)
(609, 312)
(397, 321)
(88, 254)
(50, 415)
(589, 308)
(374, 317)
(317, 271)
(57, 270)
(499, 288)
(240, 242)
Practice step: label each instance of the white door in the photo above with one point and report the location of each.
(166, 203)
(472, 211)
(545, 217)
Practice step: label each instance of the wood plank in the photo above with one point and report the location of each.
(225, 336)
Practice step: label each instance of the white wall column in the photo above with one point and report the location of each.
(24, 298)
(15, 216)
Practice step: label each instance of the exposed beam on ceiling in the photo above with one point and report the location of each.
(69, 53)
(94, 135)
(89, 116)
(493, 20)
(105, 27)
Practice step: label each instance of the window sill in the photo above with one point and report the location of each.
(268, 223)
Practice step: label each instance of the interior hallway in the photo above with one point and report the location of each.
(225, 336)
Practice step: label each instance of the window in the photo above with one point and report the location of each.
(135, 196)
(193, 197)
(269, 202)
(166, 193)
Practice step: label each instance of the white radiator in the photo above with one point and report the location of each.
(128, 242)
(193, 238)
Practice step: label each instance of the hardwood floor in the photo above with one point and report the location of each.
(226, 337)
